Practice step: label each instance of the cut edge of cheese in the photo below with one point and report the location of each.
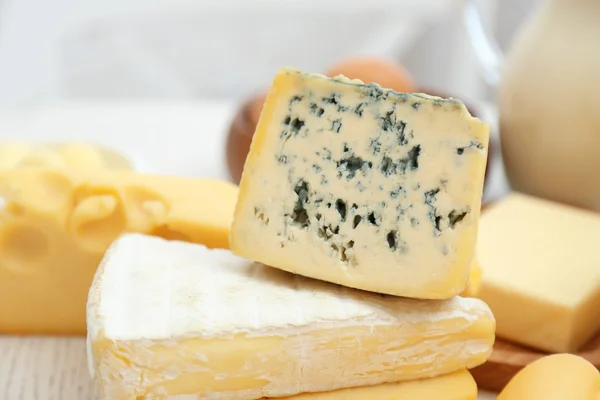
(474, 282)
(456, 386)
(255, 236)
(221, 314)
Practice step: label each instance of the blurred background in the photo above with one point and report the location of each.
(190, 49)
(175, 87)
(174, 72)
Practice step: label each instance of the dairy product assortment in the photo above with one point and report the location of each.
(347, 264)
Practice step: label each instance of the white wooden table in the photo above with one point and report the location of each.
(178, 138)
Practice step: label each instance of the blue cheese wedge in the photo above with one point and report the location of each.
(362, 186)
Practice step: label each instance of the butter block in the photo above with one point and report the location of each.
(555, 377)
(56, 225)
(456, 386)
(541, 274)
(363, 186)
(177, 319)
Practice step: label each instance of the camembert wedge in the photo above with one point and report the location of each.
(169, 318)
(363, 186)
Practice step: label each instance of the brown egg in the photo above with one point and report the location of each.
(385, 73)
(240, 134)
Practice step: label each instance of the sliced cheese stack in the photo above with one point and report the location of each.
(363, 186)
(56, 225)
(169, 318)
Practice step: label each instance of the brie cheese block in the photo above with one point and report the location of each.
(362, 186)
(169, 318)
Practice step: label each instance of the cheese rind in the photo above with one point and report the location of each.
(57, 224)
(362, 186)
(540, 272)
(174, 318)
(456, 386)
(555, 377)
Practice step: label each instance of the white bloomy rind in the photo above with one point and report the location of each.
(150, 291)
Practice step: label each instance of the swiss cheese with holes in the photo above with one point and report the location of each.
(56, 224)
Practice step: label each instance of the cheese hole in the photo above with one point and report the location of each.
(391, 239)
(340, 206)
(22, 247)
(96, 221)
(168, 233)
(51, 191)
(357, 219)
(12, 209)
(146, 209)
(372, 219)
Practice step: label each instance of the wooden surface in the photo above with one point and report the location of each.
(509, 358)
(43, 369)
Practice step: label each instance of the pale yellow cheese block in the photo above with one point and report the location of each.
(541, 272)
(555, 377)
(362, 186)
(457, 386)
(169, 318)
(57, 224)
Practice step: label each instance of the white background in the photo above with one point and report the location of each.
(198, 48)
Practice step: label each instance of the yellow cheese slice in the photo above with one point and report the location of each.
(555, 377)
(541, 273)
(169, 318)
(362, 186)
(456, 386)
(57, 224)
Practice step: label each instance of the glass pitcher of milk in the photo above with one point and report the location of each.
(548, 93)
